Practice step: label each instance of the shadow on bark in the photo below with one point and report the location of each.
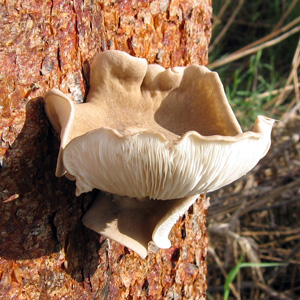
(40, 214)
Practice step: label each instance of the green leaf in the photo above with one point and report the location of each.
(233, 273)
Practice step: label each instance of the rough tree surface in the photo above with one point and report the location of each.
(45, 251)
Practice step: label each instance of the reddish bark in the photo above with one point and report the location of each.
(46, 253)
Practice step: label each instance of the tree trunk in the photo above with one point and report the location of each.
(46, 252)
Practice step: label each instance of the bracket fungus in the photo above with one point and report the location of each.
(152, 140)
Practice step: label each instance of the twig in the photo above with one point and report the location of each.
(287, 144)
(254, 204)
(272, 93)
(270, 36)
(290, 114)
(284, 240)
(296, 82)
(269, 197)
(249, 285)
(288, 11)
(247, 244)
(270, 43)
(287, 260)
(268, 232)
(226, 27)
(271, 292)
(295, 65)
(221, 13)
(272, 258)
(220, 265)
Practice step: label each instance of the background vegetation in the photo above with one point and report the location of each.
(254, 224)
(265, 81)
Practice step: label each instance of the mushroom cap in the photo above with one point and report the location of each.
(148, 132)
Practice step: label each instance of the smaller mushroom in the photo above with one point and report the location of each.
(153, 140)
(133, 222)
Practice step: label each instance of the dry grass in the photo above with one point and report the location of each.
(259, 215)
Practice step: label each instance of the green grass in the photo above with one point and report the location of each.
(247, 84)
(246, 80)
(234, 272)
